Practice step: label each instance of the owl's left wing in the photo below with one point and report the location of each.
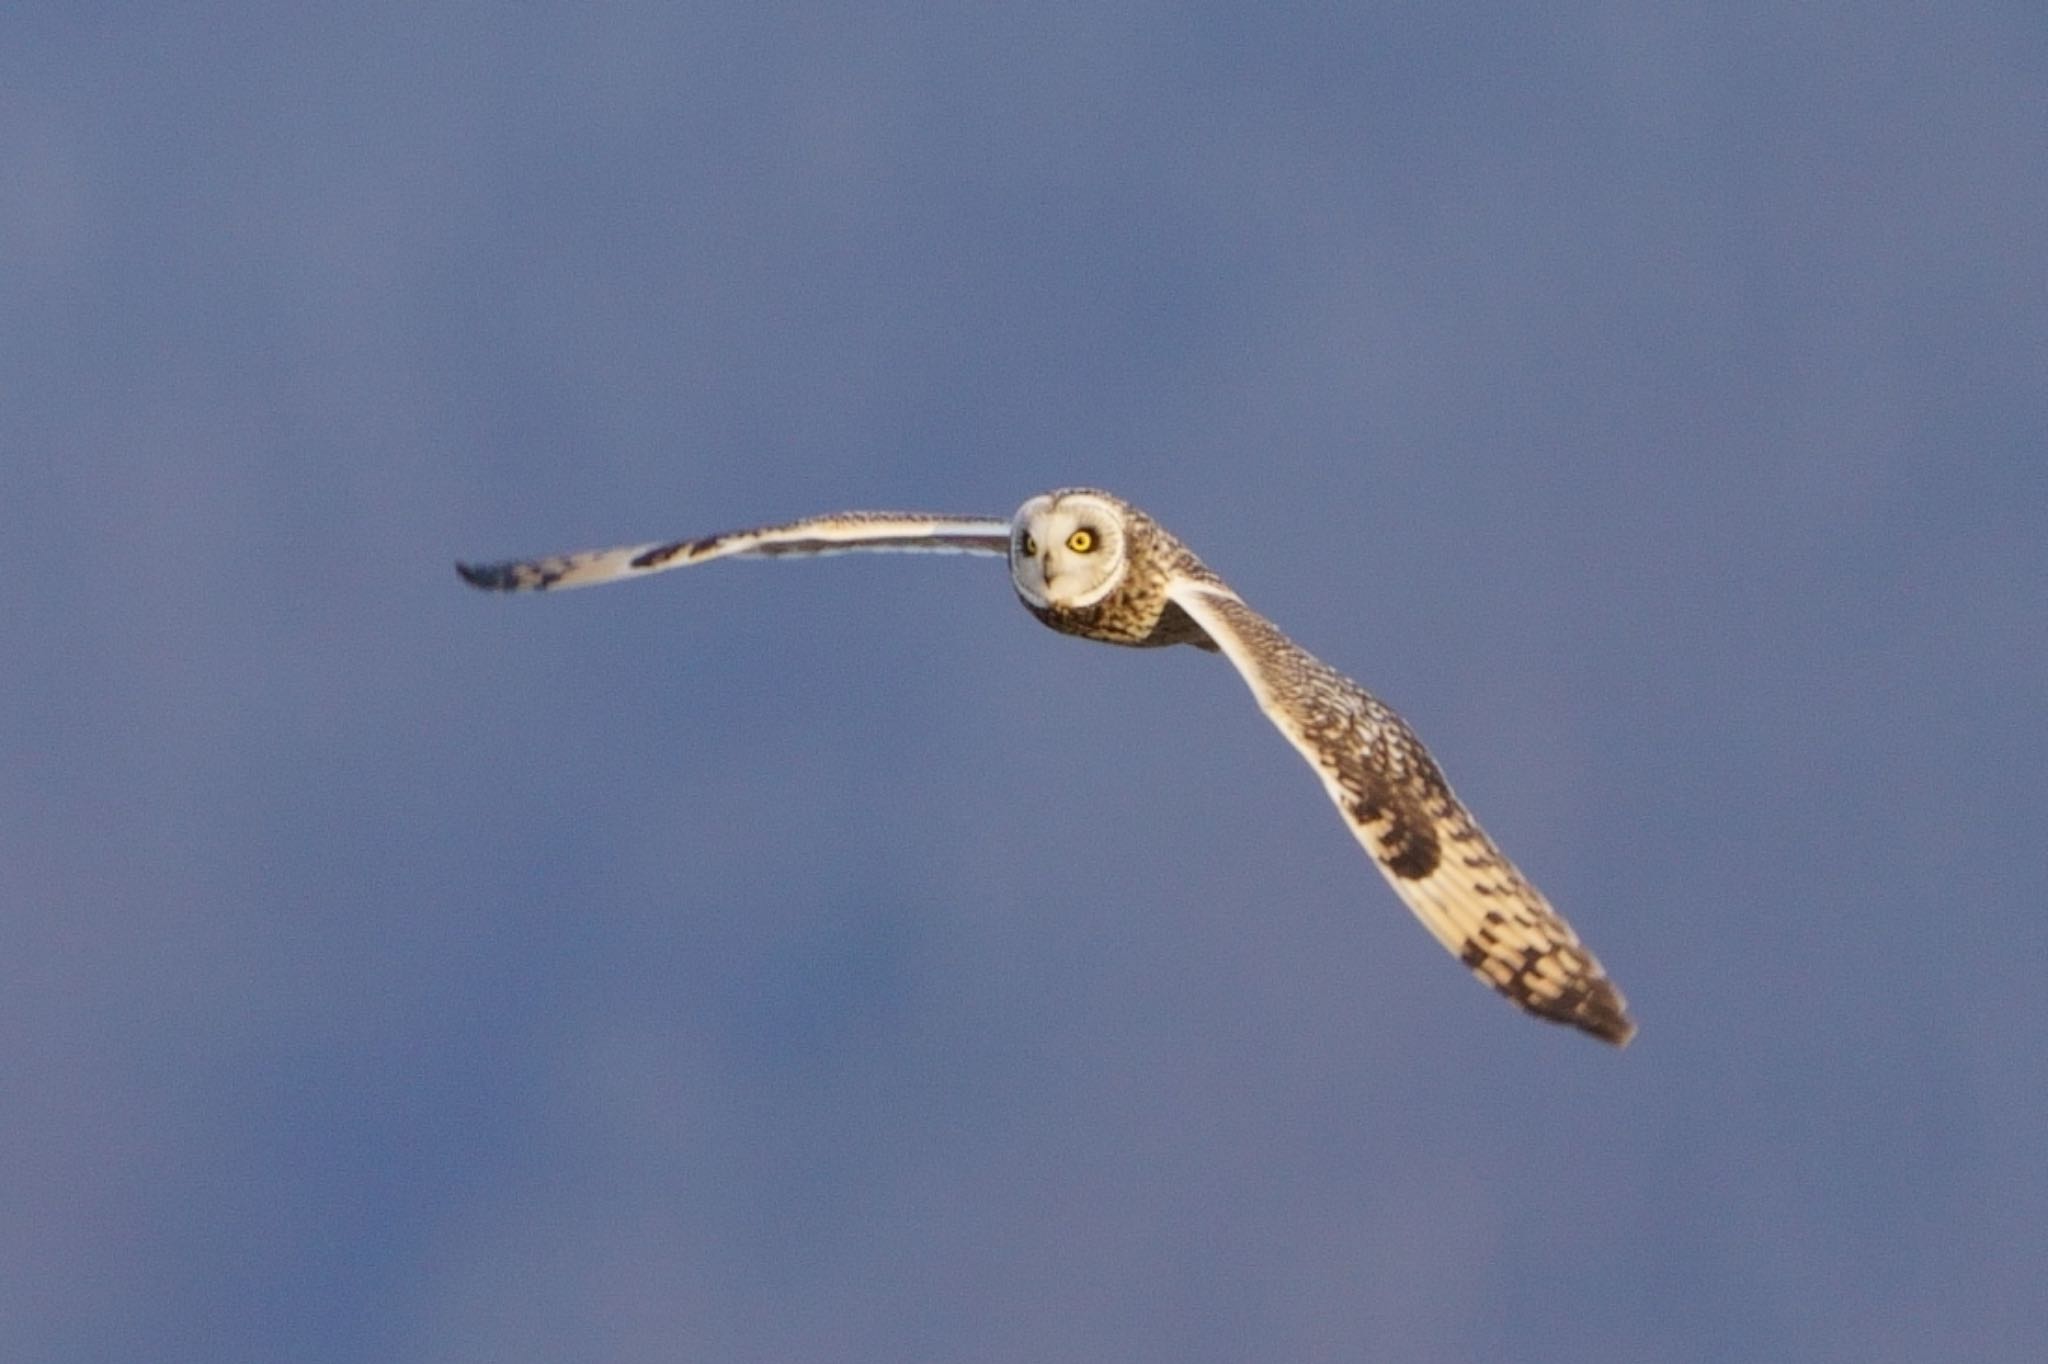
(838, 533)
(1396, 802)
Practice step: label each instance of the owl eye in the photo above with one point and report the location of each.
(1081, 541)
(1030, 546)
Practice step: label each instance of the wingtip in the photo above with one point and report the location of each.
(1604, 1014)
(486, 577)
(1619, 1035)
(1595, 1008)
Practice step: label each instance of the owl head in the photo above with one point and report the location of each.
(1068, 548)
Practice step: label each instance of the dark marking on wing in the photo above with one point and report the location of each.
(512, 576)
(661, 554)
(1409, 846)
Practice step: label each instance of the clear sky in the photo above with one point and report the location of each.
(791, 961)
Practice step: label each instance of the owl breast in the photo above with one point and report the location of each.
(1114, 621)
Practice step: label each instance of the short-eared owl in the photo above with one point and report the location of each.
(1090, 564)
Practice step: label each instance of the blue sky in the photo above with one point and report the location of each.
(823, 961)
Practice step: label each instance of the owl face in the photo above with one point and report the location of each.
(1067, 549)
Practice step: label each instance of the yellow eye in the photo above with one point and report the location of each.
(1030, 547)
(1081, 541)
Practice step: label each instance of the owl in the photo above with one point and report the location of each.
(1088, 563)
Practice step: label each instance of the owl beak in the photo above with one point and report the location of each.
(1045, 568)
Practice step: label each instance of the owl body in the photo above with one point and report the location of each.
(1087, 563)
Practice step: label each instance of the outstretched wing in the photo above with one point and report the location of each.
(1396, 801)
(839, 533)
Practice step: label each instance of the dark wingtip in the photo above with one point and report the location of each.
(1593, 1007)
(488, 577)
(1603, 1013)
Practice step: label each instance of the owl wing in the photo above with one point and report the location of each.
(839, 533)
(1391, 793)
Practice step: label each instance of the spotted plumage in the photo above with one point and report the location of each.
(1087, 563)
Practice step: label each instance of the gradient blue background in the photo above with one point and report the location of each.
(823, 961)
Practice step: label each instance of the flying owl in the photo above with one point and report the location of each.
(1087, 563)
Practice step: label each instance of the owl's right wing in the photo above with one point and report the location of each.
(839, 533)
(1395, 800)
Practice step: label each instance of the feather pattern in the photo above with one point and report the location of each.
(1395, 800)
